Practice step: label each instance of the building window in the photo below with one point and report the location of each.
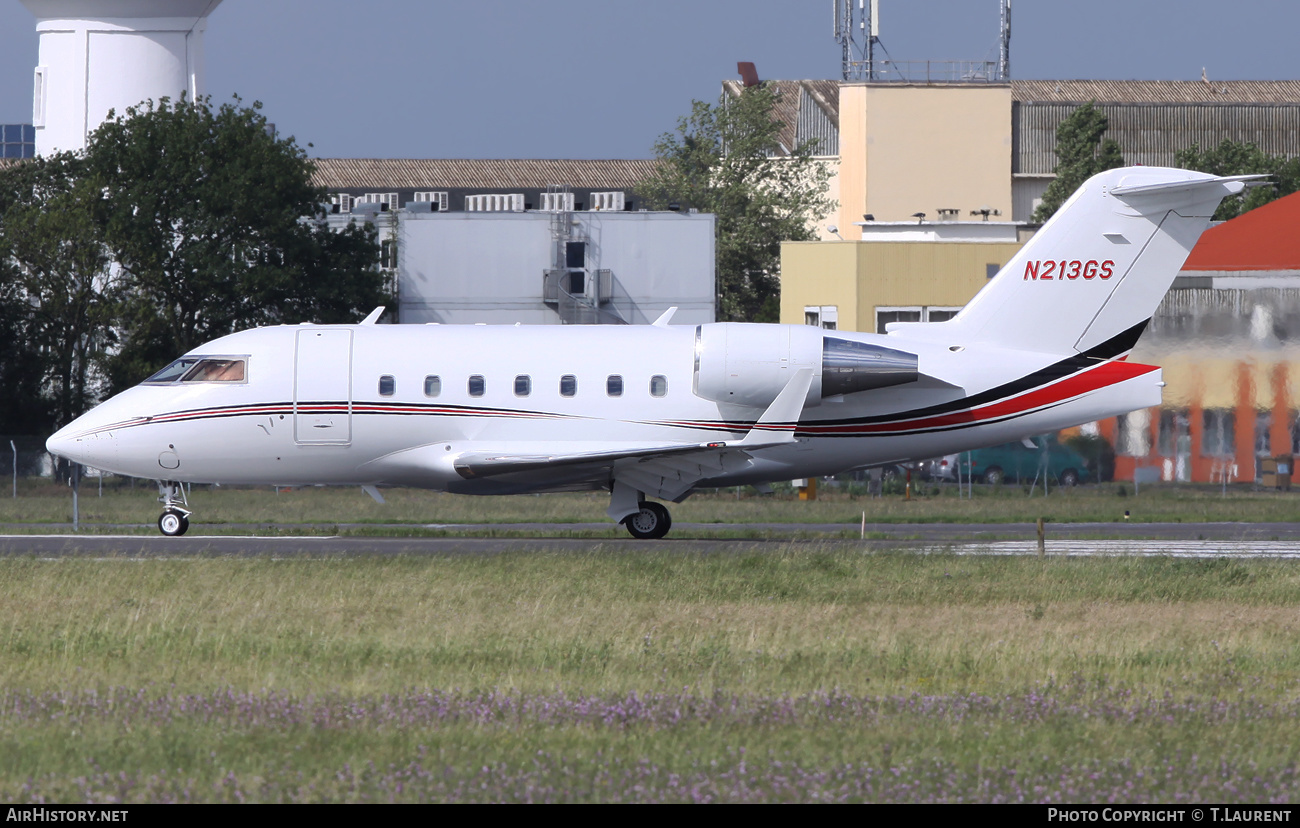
(577, 282)
(614, 385)
(477, 385)
(1135, 433)
(658, 385)
(884, 316)
(1171, 432)
(922, 313)
(1218, 432)
(1263, 434)
(568, 385)
(826, 317)
(387, 385)
(388, 254)
(523, 385)
(432, 386)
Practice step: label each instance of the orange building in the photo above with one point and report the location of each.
(1228, 337)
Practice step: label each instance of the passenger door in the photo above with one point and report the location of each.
(322, 387)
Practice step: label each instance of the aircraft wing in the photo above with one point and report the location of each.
(666, 471)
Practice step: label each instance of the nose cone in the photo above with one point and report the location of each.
(89, 448)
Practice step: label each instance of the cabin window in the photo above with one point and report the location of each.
(387, 385)
(568, 385)
(477, 385)
(432, 386)
(614, 385)
(216, 370)
(658, 385)
(523, 385)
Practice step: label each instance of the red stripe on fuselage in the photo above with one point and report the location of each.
(1105, 374)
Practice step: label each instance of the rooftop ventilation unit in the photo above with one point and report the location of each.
(438, 198)
(387, 201)
(557, 202)
(614, 200)
(495, 203)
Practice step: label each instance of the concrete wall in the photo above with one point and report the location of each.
(466, 268)
(861, 277)
(920, 148)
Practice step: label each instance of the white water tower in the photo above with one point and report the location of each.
(101, 55)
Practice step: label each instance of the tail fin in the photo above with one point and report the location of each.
(1096, 270)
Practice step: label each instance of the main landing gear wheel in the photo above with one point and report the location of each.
(651, 523)
(173, 523)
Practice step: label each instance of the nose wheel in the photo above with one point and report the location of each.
(650, 523)
(175, 519)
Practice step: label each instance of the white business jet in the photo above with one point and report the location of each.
(662, 410)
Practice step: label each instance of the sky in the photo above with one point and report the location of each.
(604, 78)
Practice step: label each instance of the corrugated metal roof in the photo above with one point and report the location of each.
(1147, 91)
(796, 101)
(1262, 239)
(1152, 133)
(444, 173)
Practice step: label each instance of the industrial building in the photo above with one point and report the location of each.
(557, 266)
(1228, 338)
(533, 241)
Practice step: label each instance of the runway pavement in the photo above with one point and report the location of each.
(1179, 539)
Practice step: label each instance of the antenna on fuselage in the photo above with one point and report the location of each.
(374, 316)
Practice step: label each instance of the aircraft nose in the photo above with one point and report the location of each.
(95, 450)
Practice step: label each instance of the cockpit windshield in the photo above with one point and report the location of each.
(200, 369)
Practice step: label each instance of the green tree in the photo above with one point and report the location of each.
(728, 160)
(59, 270)
(1235, 158)
(1081, 153)
(216, 227)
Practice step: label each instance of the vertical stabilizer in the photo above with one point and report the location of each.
(1096, 270)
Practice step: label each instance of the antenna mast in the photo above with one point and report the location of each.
(1004, 41)
(857, 28)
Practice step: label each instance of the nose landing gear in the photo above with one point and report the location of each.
(175, 519)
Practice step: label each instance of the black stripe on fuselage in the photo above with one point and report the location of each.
(1111, 348)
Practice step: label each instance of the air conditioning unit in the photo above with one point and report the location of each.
(557, 202)
(608, 201)
(437, 197)
(495, 203)
(388, 201)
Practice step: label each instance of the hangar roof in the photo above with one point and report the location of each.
(1263, 239)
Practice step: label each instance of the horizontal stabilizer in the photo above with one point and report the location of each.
(1169, 187)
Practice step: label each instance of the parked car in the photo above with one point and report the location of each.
(1021, 460)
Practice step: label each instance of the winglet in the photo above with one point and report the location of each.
(779, 421)
(374, 316)
(662, 321)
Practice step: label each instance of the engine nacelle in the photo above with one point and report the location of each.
(749, 364)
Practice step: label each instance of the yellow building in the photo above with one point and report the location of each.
(898, 272)
(908, 149)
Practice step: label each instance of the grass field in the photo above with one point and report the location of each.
(796, 675)
(45, 503)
